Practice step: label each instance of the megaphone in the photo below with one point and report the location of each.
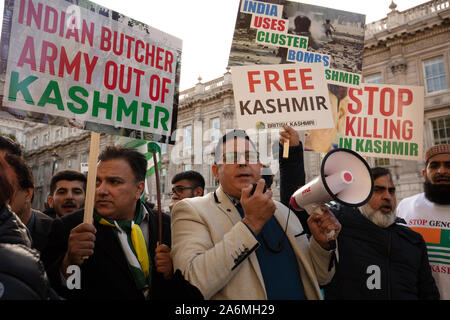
(344, 177)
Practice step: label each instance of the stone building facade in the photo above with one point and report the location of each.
(52, 148)
(410, 47)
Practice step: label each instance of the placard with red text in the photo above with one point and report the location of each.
(90, 67)
(271, 96)
(384, 121)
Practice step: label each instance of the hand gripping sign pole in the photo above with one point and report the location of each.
(91, 178)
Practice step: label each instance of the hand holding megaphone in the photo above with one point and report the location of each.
(324, 227)
(344, 177)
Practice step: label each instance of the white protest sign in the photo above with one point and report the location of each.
(384, 121)
(270, 96)
(100, 68)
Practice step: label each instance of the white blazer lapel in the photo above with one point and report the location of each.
(225, 205)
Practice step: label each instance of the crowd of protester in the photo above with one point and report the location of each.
(235, 243)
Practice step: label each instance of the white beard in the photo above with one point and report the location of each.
(383, 220)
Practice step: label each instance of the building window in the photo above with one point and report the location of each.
(69, 163)
(441, 130)
(187, 167)
(35, 141)
(46, 138)
(215, 129)
(58, 134)
(163, 180)
(435, 78)
(374, 78)
(188, 136)
(382, 162)
(163, 148)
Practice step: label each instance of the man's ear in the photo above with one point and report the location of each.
(424, 174)
(29, 194)
(140, 189)
(215, 171)
(198, 192)
(50, 201)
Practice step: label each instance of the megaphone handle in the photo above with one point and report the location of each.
(315, 208)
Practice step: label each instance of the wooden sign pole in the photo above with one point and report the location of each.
(91, 178)
(158, 196)
(286, 149)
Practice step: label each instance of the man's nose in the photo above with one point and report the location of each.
(387, 195)
(101, 188)
(442, 169)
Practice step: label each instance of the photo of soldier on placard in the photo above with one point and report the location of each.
(337, 33)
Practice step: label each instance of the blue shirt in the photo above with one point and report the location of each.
(279, 270)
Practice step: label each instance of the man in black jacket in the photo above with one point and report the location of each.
(22, 180)
(118, 255)
(292, 171)
(378, 257)
(22, 275)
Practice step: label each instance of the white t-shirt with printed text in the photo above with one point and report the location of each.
(432, 221)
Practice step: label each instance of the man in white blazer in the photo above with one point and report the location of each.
(238, 245)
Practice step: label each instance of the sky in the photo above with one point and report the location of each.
(206, 26)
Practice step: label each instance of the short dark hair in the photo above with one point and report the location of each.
(135, 159)
(10, 146)
(23, 171)
(235, 133)
(191, 175)
(67, 174)
(5, 186)
(379, 172)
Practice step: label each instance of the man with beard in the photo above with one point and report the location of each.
(429, 214)
(378, 257)
(67, 193)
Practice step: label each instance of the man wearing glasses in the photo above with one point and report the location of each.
(239, 244)
(379, 258)
(187, 184)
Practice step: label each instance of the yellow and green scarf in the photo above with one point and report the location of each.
(134, 247)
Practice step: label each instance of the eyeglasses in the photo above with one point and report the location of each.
(235, 157)
(179, 190)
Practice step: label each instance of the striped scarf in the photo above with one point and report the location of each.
(133, 244)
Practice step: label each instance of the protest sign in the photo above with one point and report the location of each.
(272, 33)
(89, 67)
(383, 121)
(271, 96)
(286, 32)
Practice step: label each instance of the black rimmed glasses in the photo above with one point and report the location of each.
(178, 190)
